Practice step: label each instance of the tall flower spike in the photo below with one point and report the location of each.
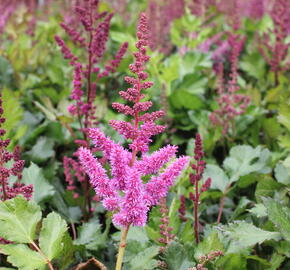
(7, 191)
(231, 104)
(92, 38)
(127, 170)
(276, 53)
(126, 192)
(89, 31)
(198, 167)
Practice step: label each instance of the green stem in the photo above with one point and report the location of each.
(122, 247)
(43, 255)
(222, 203)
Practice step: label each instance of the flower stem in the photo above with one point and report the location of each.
(122, 247)
(43, 255)
(222, 203)
(196, 221)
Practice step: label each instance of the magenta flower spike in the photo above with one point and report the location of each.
(6, 190)
(125, 192)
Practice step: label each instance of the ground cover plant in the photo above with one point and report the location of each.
(145, 135)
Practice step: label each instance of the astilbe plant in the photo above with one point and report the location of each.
(126, 193)
(7, 191)
(91, 39)
(165, 230)
(205, 259)
(10, 7)
(277, 53)
(161, 14)
(198, 167)
(7, 169)
(199, 7)
(231, 104)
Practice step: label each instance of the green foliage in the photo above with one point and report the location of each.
(51, 235)
(18, 220)
(145, 259)
(43, 190)
(176, 257)
(279, 215)
(249, 167)
(13, 112)
(245, 159)
(243, 235)
(210, 243)
(42, 150)
(23, 257)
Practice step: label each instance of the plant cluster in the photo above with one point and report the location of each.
(182, 165)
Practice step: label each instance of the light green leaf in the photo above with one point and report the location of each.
(185, 235)
(240, 208)
(13, 111)
(245, 234)
(245, 159)
(233, 262)
(18, 219)
(219, 179)
(176, 257)
(266, 187)
(50, 115)
(42, 189)
(210, 243)
(282, 174)
(90, 235)
(183, 99)
(259, 210)
(68, 251)
(51, 235)
(254, 65)
(23, 257)
(42, 150)
(144, 259)
(284, 114)
(279, 215)
(276, 261)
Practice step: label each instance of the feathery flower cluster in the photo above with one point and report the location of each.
(165, 229)
(195, 177)
(230, 103)
(93, 38)
(7, 191)
(182, 208)
(199, 169)
(277, 54)
(125, 192)
(234, 10)
(72, 170)
(199, 7)
(203, 260)
(9, 7)
(120, 7)
(161, 14)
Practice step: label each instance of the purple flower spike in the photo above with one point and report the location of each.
(125, 190)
